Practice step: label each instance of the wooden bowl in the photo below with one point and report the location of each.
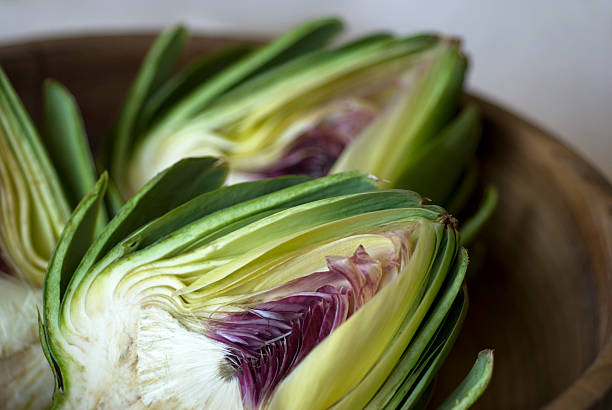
(543, 298)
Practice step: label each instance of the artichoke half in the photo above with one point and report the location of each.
(34, 207)
(278, 293)
(384, 105)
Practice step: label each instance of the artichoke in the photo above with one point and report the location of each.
(384, 105)
(34, 207)
(288, 292)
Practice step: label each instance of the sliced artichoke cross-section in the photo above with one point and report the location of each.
(299, 117)
(385, 105)
(34, 208)
(35, 203)
(242, 296)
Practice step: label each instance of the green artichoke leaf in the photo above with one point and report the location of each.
(347, 58)
(113, 199)
(367, 39)
(231, 195)
(149, 326)
(473, 385)
(72, 245)
(66, 142)
(434, 169)
(157, 67)
(413, 122)
(415, 386)
(476, 222)
(426, 396)
(181, 85)
(189, 178)
(303, 39)
(207, 66)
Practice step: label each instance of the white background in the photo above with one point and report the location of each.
(548, 60)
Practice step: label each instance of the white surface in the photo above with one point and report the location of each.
(548, 60)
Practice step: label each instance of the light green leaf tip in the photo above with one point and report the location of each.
(473, 385)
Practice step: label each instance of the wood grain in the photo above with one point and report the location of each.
(542, 297)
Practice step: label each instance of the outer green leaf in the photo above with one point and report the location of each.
(65, 139)
(416, 385)
(428, 331)
(174, 90)
(71, 247)
(421, 113)
(301, 40)
(474, 224)
(317, 68)
(156, 68)
(169, 189)
(435, 169)
(473, 385)
(186, 226)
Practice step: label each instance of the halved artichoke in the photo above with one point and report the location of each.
(34, 207)
(278, 293)
(383, 105)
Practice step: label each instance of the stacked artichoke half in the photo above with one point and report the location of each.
(38, 189)
(383, 105)
(251, 248)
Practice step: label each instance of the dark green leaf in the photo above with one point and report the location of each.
(66, 142)
(428, 331)
(156, 68)
(416, 386)
(304, 39)
(474, 224)
(434, 170)
(72, 245)
(178, 87)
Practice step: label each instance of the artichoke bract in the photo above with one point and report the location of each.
(34, 207)
(288, 292)
(384, 105)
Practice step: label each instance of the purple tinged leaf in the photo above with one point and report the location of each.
(266, 342)
(316, 150)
